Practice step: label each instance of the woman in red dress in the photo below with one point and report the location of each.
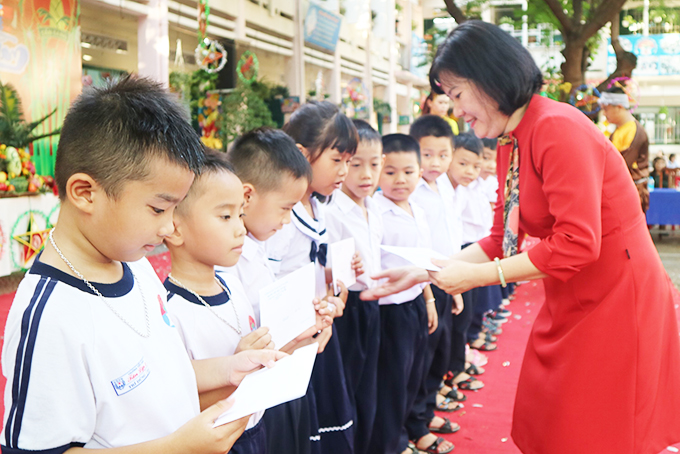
(601, 372)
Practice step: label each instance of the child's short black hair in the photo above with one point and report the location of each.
(469, 142)
(671, 156)
(400, 143)
(366, 132)
(490, 143)
(215, 161)
(262, 156)
(111, 134)
(318, 126)
(430, 125)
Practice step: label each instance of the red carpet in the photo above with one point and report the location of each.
(485, 421)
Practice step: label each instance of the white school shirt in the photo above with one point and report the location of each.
(291, 247)
(443, 214)
(204, 335)
(477, 215)
(401, 229)
(490, 188)
(77, 375)
(345, 219)
(253, 270)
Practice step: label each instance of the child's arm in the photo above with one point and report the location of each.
(357, 264)
(256, 340)
(196, 436)
(432, 317)
(458, 304)
(219, 372)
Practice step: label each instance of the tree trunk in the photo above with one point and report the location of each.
(455, 11)
(572, 68)
(625, 61)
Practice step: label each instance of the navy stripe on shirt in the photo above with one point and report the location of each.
(59, 450)
(22, 366)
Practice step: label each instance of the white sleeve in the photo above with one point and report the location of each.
(49, 399)
(278, 245)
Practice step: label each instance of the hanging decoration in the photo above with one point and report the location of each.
(629, 87)
(210, 54)
(208, 113)
(354, 99)
(585, 98)
(248, 67)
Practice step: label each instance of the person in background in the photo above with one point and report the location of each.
(439, 105)
(629, 138)
(661, 180)
(671, 162)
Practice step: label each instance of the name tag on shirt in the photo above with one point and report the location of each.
(132, 378)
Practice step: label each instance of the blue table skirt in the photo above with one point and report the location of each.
(664, 207)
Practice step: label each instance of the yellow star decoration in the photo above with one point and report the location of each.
(33, 240)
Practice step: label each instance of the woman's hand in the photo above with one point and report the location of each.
(398, 279)
(455, 277)
(256, 340)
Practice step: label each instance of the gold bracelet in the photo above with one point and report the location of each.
(431, 300)
(501, 276)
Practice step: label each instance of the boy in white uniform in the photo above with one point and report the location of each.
(275, 176)
(404, 318)
(462, 172)
(211, 310)
(91, 357)
(352, 213)
(436, 196)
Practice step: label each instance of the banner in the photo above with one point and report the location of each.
(322, 28)
(657, 55)
(40, 57)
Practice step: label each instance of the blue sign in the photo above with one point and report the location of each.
(657, 55)
(322, 28)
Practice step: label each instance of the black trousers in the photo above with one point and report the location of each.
(333, 407)
(292, 427)
(437, 357)
(359, 333)
(459, 330)
(403, 338)
(253, 441)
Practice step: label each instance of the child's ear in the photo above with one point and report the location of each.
(382, 161)
(420, 173)
(248, 193)
(303, 150)
(82, 191)
(175, 238)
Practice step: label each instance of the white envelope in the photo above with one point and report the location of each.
(286, 306)
(341, 254)
(420, 257)
(267, 388)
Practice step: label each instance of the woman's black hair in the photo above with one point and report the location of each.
(495, 61)
(318, 126)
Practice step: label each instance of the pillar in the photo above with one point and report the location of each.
(153, 54)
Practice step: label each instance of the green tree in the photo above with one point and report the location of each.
(578, 21)
(242, 110)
